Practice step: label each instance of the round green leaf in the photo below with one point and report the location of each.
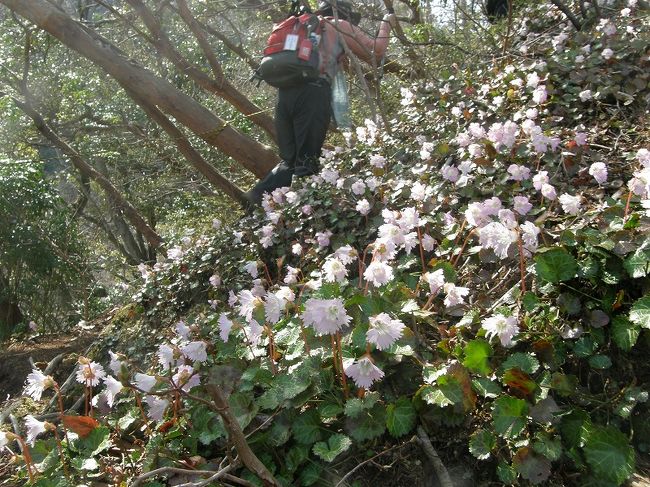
(609, 453)
(400, 417)
(555, 265)
(640, 312)
(624, 333)
(477, 353)
(482, 443)
(509, 416)
(336, 445)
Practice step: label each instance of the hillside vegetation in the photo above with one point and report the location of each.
(471, 277)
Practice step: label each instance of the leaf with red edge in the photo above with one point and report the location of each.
(519, 382)
(534, 468)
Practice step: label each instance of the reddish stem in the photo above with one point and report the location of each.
(455, 261)
(522, 263)
(627, 205)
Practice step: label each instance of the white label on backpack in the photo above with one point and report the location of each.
(291, 42)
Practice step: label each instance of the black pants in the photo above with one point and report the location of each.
(302, 117)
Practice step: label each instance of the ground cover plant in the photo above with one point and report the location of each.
(474, 274)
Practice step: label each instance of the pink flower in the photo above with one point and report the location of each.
(643, 156)
(497, 237)
(428, 242)
(450, 173)
(455, 294)
(215, 280)
(292, 275)
(508, 218)
(540, 95)
(521, 205)
(503, 327)
(307, 210)
(358, 187)
(377, 161)
(323, 238)
(548, 191)
(384, 331)
(175, 253)
(581, 139)
(532, 80)
(251, 268)
(272, 308)
(216, 224)
(325, 316)
(182, 330)
(599, 171)
(185, 378)
(165, 356)
(607, 53)
(419, 191)
(225, 325)
(157, 406)
(378, 273)
(37, 382)
(363, 372)
(346, 254)
(248, 303)
(195, 351)
(540, 179)
(529, 233)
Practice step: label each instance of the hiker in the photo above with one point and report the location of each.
(303, 111)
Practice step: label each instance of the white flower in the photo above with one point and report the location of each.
(384, 331)
(307, 209)
(4, 440)
(216, 223)
(428, 242)
(363, 207)
(503, 327)
(175, 253)
(521, 205)
(607, 53)
(215, 280)
(548, 191)
(599, 171)
(37, 382)
(346, 254)
(450, 173)
(325, 316)
(532, 79)
(508, 218)
(581, 138)
(334, 270)
(195, 351)
(643, 156)
(185, 378)
(272, 308)
(477, 215)
(292, 197)
(225, 325)
(377, 161)
(378, 273)
(540, 179)
(419, 191)
(251, 268)
(532, 113)
(329, 175)
(358, 187)
(497, 237)
(518, 173)
(157, 406)
(182, 330)
(292, 275)
(540, 95)
(570, 204)
(34, 428)
(144, 382)
(285, 295)
(113, 387)
(90, 373)
(165, 356)
(585, 95)
(116, 363)
(455, 294)
(529, 234)
(248, 302)
(435, 280)
(363, 372)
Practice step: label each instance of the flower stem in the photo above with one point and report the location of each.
(346, 391)
(138, 401)
(61, 456)
(455, 261)
(627, 205)
(522, 263)
(28, 458)
(424, 265)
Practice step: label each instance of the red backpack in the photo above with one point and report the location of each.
(291, 55)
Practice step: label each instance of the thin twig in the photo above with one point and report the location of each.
(176, 470)
(438, 466)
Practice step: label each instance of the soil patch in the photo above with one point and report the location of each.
(14, 358)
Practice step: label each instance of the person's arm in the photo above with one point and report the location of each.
(362, 45)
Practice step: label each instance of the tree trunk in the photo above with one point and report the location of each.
(134, 78)
(10, 314)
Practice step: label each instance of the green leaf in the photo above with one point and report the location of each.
(296, 457)
(369, 424)
(555, 265)
(336, 444)
(551, 448)
(329, 410)
(573, 427)
(523, 361)
(433, 395)
(355, 405)
(609, 453)
(310, 474)
(485, 387)
(584, 347)
(624, 333)
(509, 416)
(638, 264)
(506, 473)
(477, 353)
(127, 420)
(242, 406)
(600, 362)
(284, 388)
(640, 312)
(400, 417)
(81, 463)
(306, 427)
(96, 442)
(530, 301)
(481, 443)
